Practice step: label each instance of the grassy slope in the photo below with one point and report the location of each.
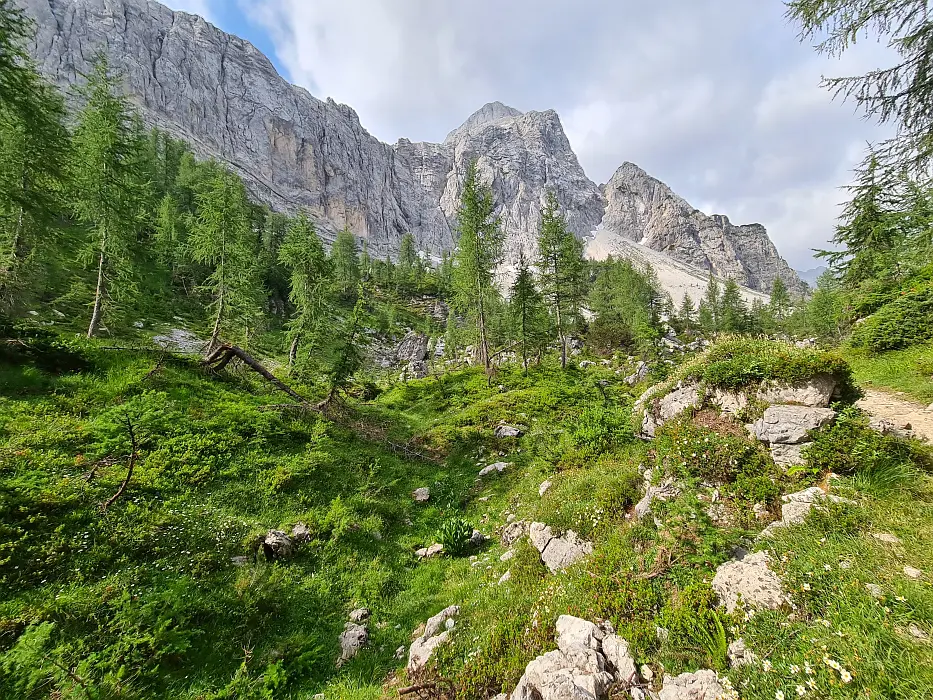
(144, 598)
(910, 370)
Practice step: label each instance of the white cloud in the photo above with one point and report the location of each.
(718, 99)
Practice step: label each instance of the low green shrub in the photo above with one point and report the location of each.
(901, 323)
(455, 534)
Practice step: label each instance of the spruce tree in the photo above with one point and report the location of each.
(366, 262)
(346, 262)
(733, 312)
(110, 194)
(302, 252)
(479, 251)
(686, 314)
(562, 269)
(626, 303)
(410, 268)
(222, 239)
(779, 307)
(528, 313)
(710, 308)
(348, 356)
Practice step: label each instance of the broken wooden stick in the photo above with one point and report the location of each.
(129, 469)
(221, 356)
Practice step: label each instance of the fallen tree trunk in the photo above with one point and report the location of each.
(221, 356)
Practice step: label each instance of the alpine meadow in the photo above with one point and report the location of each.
(288, 412)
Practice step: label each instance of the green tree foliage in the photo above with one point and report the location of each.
(410, 267)
(110, 195)
(562, 270)
(686, 315)
(902, 94)
(345, 259)
(221, 238)
(302, 252)
(529, 317)
(626, 302)
(348, 353)
(709, 311)
(780, 304)
(479, 251)
(33, 158)
(733, 312)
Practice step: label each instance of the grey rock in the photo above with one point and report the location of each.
(751, 581)
(898, 428)
(505, 578)
(434, 550)
(415, 370)
(240, 560)
(507, 431)
(787, 456)
(180, 340)
(400, 653)
(413, 348)
(477, 538)
(659, 411)
(886, 538)
(739, 654)
(702, 685)
(360, 615)
(507, 556)
(644, 209)
(543, 488)
(664, 491)
(558, 553)
(498, 467)
(353, 638)
(816, 392)
(875, 590)
(911, 572)
(639, 375)
(730, 402)
(301, 533)
(432, 637)
(294, 151)
(789, 425)
(421, 495)
(277, 545)
(513, 532)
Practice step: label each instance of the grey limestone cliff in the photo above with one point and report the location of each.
(224, 97)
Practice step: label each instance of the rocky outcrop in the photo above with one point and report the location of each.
(702, 685)
(436, 631)
(750, 581)
(789, 425)
(797, 507)
(643, 209)
(224, 97)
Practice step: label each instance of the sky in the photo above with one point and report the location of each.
(719, 99)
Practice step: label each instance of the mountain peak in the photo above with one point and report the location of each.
(488, 113)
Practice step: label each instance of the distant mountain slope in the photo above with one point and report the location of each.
(224, 97)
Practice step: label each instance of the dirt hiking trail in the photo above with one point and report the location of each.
(901, 412)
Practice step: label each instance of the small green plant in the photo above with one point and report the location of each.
(455, 535)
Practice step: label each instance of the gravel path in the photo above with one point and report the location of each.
(899, 411)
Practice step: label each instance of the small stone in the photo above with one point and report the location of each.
(739, 654)
(647, 673)
(543, 488)
(400, 653)
(139, 324)
(911, 572)
(421, 495)
(239, 561)
(360, 615)
(507, 431)
(507, 556)
(496, 467)
(875, 590)
(354, 638)
(917, 633)
(319, 696)
(449, 623)
(506, 577)
(886, 537)
(430, 552)
(301, 532)
(751, 581)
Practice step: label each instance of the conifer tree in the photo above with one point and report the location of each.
(222, 239)
(345, 260)
(348, 356)
(33, 156)
(410, 268)
(110, 194)
(479, 251)
(686, 314)
(302, 252)
(709, 308)
(733, 313)
(528, 313)
(366, 262)
(625, 300)
(562, 270)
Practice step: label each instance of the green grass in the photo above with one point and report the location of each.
(910, 370)
(143, 601)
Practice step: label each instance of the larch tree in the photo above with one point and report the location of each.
(346, 262)
(780, 305)
(110, 194)
(479, 251)
(410, 267)
(562, 270)
(302, 252)
(222, 239)
(33, 156)
(528, 313)
(710, 307)
(686, 314)
(733, 312)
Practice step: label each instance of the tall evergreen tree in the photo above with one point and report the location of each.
(110, 193)
(346, 262)
(479, 251)
(33, 157)
(733, 312)
(710, 308)
(686, 314)
(410, 268)
(302, 252)
(528, 313)
(562, 269)
(779, 307)
(626, 302)
(222, 239)
(348, 356)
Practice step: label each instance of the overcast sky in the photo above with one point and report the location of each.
(716, 98)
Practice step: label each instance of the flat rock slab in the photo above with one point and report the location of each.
(558, 553)
(422, 495)
(815, 392)
(788, 456)
(498, 467)
(508, 431)
(702, 685)
(436, 632)
(750, 580)
(789, 425)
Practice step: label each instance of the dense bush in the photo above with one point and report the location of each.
(901, 323)
(454, 534)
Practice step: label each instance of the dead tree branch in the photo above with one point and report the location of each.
(129, 469)
(221, 356)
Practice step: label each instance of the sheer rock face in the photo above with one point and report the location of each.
(645, 210)
(224, 97)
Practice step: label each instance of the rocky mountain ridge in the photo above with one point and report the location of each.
(224, 97)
